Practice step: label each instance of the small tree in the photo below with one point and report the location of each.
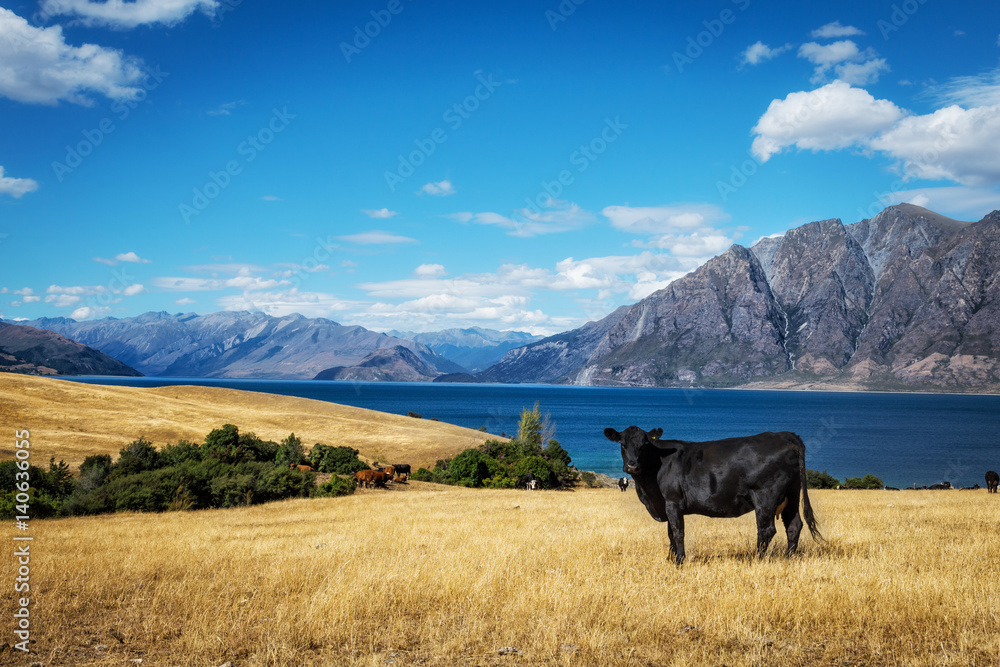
(290, 452)
(821, 480)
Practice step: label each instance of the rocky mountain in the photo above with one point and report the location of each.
(908, 299)
(25, 349)
(393, 364)
(474, 348)
(234, 344)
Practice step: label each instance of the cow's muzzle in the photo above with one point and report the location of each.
(630, 469)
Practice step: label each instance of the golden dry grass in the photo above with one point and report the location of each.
(70, 420)
(438, 575)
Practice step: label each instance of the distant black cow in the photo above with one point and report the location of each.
(623, 484)
(722, 478)
(402, 470)
(942, 485)
(992, 479)
(528, 481)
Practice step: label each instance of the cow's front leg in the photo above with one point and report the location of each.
(765, 529)
(675, 524)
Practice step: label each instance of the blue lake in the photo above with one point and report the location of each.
(905, 439)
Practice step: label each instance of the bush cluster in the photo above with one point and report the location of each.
(500, 465)
(229, 469)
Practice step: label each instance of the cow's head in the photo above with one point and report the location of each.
(632, 440)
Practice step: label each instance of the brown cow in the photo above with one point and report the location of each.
(303, 468)
(371, 478)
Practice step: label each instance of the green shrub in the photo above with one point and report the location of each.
(336, 460)
(537, 466)
(471, 467)
(423, 475)
(869, 481)
(821, 480)
(337, 486)
(290, 452)
(590, 479)
(138, 456)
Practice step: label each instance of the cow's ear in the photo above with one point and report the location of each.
(656, 433)
(612, 435)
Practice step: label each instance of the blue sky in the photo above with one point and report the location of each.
(425, 165)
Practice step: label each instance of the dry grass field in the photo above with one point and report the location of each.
(430, 575)
(71, 420)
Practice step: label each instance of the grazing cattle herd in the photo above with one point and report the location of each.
(762, 473)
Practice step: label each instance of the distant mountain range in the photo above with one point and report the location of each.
(255, 345)
(906, 300)
(476, 349)
(390, 364)
(34, 351)
(234, 344)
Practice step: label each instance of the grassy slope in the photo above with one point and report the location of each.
(445, 576)
(70, 420)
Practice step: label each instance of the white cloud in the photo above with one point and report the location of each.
(186, 284)
(439, 189)
(185, 301)
(39, 67)
(430, 271)
(286, 302)
(15, 187)
(122, 14)
(271, 198)
(291, 269)
(225, 109)
(860, 74)
(849, 63)
(759, 52)
(663, 219)
(952, 143)
(378, 213)
(78, 290)
(62, 300)
(134, 289)
(834, 116)
(376, 237)
(554, 217)
(834, 29)
(970, 91)
(90, 312)
(123, 257)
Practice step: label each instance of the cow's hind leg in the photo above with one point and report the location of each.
(765, 528)
(793, 523)
(675, 527)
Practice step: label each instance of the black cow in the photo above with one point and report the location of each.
(721, 478)
(992, 479)
(623, 484)
(526, 480)
(402, 471)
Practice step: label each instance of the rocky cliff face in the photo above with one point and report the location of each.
(907, 300)
(234, 344)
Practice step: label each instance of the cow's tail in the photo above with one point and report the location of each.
(807, 510)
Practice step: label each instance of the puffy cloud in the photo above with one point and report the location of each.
(834, 116)
(134, 289)
(62, 300)
(663, 219)
(849, 63)
(90, 312)
(835, 29)
(15, 187)
(39, 67)
(122, 14)
(759, 52)
(378, 213)
(439, 189)
(185, 301)
(952, 143)
(430, 271)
